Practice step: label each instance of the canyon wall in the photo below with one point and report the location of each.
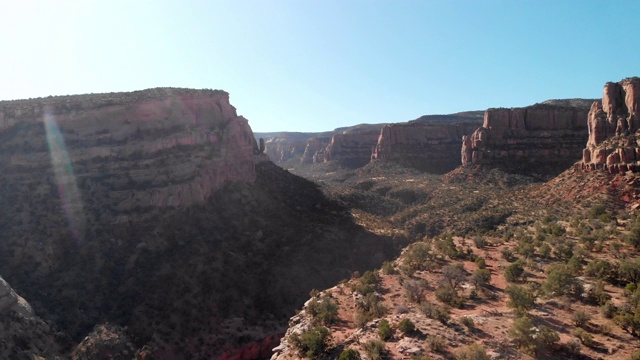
(430, 147)
(543, 139)
(613, 143)
(151, 135)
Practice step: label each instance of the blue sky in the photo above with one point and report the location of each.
(320, 64)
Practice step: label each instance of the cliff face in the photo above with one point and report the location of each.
(613, 122)
(352, 149)
(433, 148)
(542, 139)
(156, 211)
(147, 133)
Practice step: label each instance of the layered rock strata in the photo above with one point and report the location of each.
(352, 149)
(10, 301)
(433, 148)
(543, 139)
(138, 129)
(613, 143)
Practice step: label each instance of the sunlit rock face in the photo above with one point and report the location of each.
(613, 124)
(430, 147)
(138, 131)
(542, 139)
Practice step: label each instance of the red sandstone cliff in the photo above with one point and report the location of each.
(428, 146)
(542, 139)
(613, 124)
(138, 129)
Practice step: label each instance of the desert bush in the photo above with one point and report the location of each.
(406, 327)
(635, 355)
(349, 354)
(585, 338)
(454, 275)
(472, 352)
(608, 310)
(514, 272)
(596, 210)
(449, 296)
(481, 277)
(433, 311)
(508, 255)
(564, 249)
(599, 269)
(479, 241)
(575, 265)
(480, 262)
(401, 309)
(375, 349)
(323, 311)
(628, 322)
(437, 343)
(560, 281)
(573, 347)
(526, 249)
(311, 343)
(520, 299)
(415, 289)
(580, 318)
(544, 250)
(388, 269)
(371, 306)
(384, 330)
(629, 270)
(467, 322)
(522, 333)
(446, 247)
(418, 257)
(546, 339)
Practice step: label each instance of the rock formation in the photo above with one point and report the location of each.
(156, 211)
(314, 150)
(10, 301)
(353, 148)
(613, 123)
(431, 147)
(543, 139)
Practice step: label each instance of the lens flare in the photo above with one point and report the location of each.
(65, 178)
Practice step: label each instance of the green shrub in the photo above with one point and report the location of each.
(468, 322)
(418, 257)
(608, 310)
(433, 311)
(388, 269)
(449, 296)
(311, 343)
(514, 272)
(520, 299)
(522, 333)
(349, 354)
(480, 262)
(437, 343)
(415, 289)
(580, 318)
(596, 210)
(375, 349)
(323, 311)
(481, 277)
(454, 274)
(472, 352)
(406, 327)
(585, 338)
(560, 281)
(599, 269)
(384, 330)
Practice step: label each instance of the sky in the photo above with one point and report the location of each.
(315, 65)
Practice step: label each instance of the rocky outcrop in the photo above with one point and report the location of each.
(430, 147)
(613, 124)
(10, 301)
(352, 149)
(314, 150)
(543, 139)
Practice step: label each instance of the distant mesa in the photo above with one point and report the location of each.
(613, 143)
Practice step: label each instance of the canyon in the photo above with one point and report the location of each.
(156, 211)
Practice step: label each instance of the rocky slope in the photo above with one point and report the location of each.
(613, 142)
(155, 211)
(542, 139)
(430, 143)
